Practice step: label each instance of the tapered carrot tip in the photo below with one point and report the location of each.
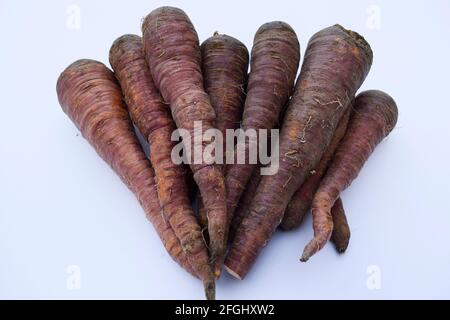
(341, 248)
(311, 248)
(304, 257)
(210, 290)
(217, 257)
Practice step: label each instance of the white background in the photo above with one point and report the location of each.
(61, 205)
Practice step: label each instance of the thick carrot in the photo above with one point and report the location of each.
(336, 63)
(374, 116)
(300, 202)
(225, 66)
(153, 119)
(341, 230)
(273, 66)
(172, 51)
(90, 96)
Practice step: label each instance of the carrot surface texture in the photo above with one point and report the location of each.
(172, 51)
(341, 230)
(245, 202)
(154, 121)
(300, 202)
(374, 116)
(225, 66)
(273, 66)
(90, 95)
(335, 65)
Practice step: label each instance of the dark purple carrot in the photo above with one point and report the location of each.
(154, 121)
(172, 51)
(336, 63)
(91, 97)
(374, 116)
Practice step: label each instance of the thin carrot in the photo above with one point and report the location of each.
(375, 115)
(300, 202)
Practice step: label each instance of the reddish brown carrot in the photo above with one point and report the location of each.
(225, 65)
(336, 63)
(300, 202)
(172, 51)
(90, 96)
(341, 231)
(273, 66)
(249, 192)
(374, 116)
(245, 202)
(153, 119)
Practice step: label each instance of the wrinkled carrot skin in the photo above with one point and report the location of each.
(91, 97)
(300, 202)
(336, 63)
(172, 51)
(153, 119)
(225, 68)
(273, 66)
(249, 192)
(245, 202)
(375, 115)
(341, 230)
(224, 64)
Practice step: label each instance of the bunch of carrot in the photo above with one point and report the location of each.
(165, 80)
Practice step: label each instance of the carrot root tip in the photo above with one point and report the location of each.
(304, 257)
(342, 249)
(210, 290)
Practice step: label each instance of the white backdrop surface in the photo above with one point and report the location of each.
(64, 213)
